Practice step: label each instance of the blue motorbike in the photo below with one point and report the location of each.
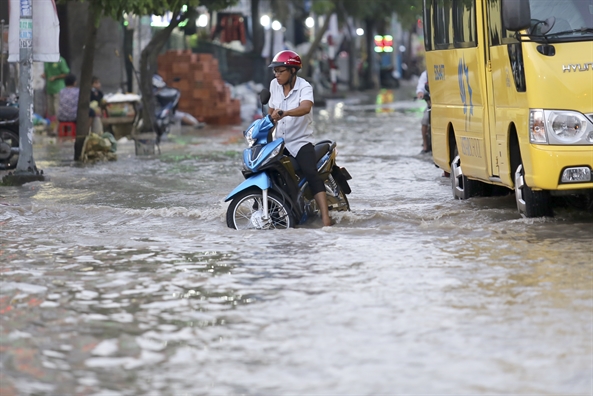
(275, 195)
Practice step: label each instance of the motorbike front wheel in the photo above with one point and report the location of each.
(246, 212)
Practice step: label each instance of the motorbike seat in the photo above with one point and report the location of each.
(321, 148)
(167, 94)
(9, 113)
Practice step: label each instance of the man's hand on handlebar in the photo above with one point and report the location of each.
(277, 115)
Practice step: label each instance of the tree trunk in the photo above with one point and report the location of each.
(86, 74)
(257, 29)
(351, 48)
(352, 70)
(318, 36)
(371, 75)
(148, 67)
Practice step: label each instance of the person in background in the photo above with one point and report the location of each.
(420, 92)
(290, 107)
(54, 75)
(96, 93)
(68, 100)
(69, 104)
(97, 104)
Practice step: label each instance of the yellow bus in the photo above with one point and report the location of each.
(511, 83)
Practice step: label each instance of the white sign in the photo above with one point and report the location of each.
(44, 39)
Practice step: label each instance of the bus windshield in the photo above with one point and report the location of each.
(562, 19)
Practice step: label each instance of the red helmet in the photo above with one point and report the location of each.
(287, 58)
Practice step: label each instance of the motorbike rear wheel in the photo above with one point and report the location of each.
(245, 212)
(8, 140)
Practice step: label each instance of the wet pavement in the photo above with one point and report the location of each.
(121, 278)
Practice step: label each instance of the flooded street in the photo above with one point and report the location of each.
(122, 278)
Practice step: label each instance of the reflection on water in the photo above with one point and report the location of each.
(122, 278)
(385, 96)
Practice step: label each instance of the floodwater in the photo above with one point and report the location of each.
(122, 278)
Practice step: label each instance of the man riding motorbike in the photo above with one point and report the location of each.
(290, 107)
(422, 93)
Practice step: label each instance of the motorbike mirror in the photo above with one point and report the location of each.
(264, 96)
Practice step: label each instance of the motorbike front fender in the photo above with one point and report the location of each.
(260, 180)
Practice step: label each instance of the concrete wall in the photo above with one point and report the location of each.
(109, 59)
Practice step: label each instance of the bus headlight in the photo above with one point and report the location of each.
(559, 127)
(566, 127)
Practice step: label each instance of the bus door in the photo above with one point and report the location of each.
(468, 87)
(493, 80)
(504, 83)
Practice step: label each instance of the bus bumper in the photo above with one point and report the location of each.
(560, 168)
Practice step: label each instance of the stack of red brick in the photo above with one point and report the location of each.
(203, 91)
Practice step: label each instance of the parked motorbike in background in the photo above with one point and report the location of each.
(9, 134)
(167, 100)
(275, 195)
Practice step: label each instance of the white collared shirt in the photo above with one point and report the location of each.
(422, 80)
(296, 131)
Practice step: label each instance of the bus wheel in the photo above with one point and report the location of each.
(463, 188)
(531, 203)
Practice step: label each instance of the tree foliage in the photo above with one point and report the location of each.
(117, 8)
(374, 13)
(406, 10)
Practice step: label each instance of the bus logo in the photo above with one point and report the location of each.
(465, 92)
(439, 72)
(583, 67)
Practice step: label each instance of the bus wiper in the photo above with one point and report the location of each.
(582, 30)
(540, 28)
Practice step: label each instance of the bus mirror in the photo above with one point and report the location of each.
(516, 14)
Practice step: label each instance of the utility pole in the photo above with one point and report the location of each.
(2, 58)
(26, 170)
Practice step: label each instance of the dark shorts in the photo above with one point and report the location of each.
(425, 115)
(306, 160)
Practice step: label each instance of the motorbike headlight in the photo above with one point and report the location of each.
(275, 153)
(249, 136)
(559, 127)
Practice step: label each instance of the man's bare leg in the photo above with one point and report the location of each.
(321, 200)
(425, 138)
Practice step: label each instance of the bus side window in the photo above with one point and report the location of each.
(464, 22)
(442, 24)
(498, 35)
(516, 59)
(427, 25)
